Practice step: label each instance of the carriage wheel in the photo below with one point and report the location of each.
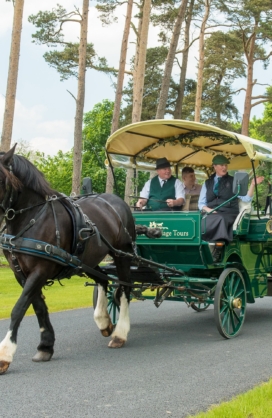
(230, 303)
(113, 305)
(201, 305)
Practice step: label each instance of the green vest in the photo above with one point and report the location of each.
(161, 193)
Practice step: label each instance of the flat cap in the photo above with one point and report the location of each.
(220, 159)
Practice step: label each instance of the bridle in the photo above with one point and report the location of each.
(10, 194)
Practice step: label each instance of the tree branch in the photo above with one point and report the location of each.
(72, 95)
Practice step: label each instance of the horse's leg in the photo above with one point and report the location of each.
(46, 346)
(101, 315)
(119, 336)
(9, 344)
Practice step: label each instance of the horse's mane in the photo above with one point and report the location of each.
(25, 174)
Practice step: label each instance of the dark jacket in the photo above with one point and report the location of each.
(224, 193)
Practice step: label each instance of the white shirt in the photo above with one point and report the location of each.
(179, 189)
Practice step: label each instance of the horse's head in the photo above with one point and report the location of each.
(8, 182)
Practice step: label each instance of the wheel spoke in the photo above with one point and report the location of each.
(241, 292)
(225, 318)
(238, 317)
(236, 286)
(223, 309)
(231, 282)
(232, 321)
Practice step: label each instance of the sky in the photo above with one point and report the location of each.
(44, 110)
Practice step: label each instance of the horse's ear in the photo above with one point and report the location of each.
(7, 157)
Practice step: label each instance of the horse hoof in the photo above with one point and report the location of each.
(108, 331)
(42, 356)
(4, 365)
(116, 343)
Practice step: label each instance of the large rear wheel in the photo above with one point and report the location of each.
(230, 302)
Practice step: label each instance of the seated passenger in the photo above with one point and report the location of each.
(164, 191)
(189, 181)
(216, 190)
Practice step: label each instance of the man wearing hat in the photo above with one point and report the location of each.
(164, 191)
(216, 190)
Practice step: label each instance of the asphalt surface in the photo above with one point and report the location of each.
(175, 363)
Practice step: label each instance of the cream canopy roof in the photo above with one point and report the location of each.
(183, 143)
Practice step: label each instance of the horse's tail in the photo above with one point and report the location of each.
(149, 232)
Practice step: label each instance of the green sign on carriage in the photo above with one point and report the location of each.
(176, 227)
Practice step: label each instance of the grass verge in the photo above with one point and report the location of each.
(71, 295)
(256, 403)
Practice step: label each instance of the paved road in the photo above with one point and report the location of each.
(175, 363)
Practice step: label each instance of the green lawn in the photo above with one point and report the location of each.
(73, 294)
(257, 403)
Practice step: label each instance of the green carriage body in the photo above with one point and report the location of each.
(181, 247)
(184, 260)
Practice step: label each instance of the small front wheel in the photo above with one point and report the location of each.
(200, 306)
(230, 302)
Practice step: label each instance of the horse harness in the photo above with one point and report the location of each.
(83, 229)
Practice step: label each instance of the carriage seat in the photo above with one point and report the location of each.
(241, 223)
(191, 203)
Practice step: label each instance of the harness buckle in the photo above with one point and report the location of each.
(53, 197)
(11, 216)
(47, 248)
(11, 243)
(85, 230)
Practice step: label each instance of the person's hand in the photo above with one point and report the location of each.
(259, 180)
(207, 210)
(141, 203)
(170, 203)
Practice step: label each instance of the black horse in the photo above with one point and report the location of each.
(31, 209)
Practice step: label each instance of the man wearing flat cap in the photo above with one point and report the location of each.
(215, 191)
(164, 191)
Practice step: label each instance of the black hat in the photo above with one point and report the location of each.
(162, 163)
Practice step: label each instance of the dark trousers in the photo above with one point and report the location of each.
(218, 227)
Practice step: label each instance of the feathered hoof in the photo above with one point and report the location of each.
(116, 343)
(108, 331)
(42, 356)
(4, 365)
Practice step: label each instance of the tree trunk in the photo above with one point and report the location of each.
(77, 157)
(119, 87)
(12, 75)
(183, 70)
(250, 83)
(170, 61)
(138, 84)
(199, 86)
(140, 70)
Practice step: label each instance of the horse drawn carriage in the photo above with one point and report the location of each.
(47, 236)
(186, 269)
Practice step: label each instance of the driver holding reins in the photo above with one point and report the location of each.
(164, 191)
(216, 190)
